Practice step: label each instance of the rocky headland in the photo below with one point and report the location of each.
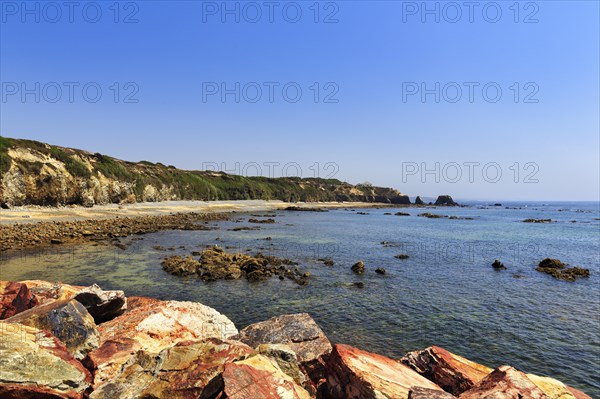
(59, 341)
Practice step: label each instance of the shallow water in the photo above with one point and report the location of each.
(445, 294)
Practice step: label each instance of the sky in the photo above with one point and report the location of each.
(479, 100)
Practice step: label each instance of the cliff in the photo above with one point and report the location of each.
(35, 173)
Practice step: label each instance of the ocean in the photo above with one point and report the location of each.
(446, 293)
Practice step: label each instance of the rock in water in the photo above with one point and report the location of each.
(15, 298)
(68, 320)
(359, 267)
(299, 332)
(257, 377)
(497, 265)
(451, 372)
(426, 393)
(102, 305)
(419, 201)
(179, 372)
(153, 325)
(505, 382)
(356, 374)
(36, 365)
(445, 200)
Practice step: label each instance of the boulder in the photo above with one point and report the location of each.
(68, 320)
(102, 305)
(34, 364)
(45, 291)
(300, 333)
(445, 200)
(359, 267)
(179, 372)
(451, 372)
(578, 394)
(15, 298)
(152, 325)
(554, 388)
(257, 377)
(427, 393)
(356, 374)
(505, 382)
(286, 359)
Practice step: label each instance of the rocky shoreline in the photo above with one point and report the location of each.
(63, 341)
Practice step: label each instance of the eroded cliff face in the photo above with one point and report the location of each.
(34, 173)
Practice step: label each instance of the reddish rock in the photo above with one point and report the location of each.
(426, 393)
(152, 325)
(356, 374)
(451, 372)
(257, 377)
(300, 333)
(15, 298)
(578, 394)
(36, 365)
(68, 320)
(505, 382)
(179, 372)
(45, 291)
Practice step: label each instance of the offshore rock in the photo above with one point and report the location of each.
(445, 200)
(356, 374)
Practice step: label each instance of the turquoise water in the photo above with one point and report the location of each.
(445, 294)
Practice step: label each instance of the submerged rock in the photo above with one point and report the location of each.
(68, 321)
(36, 365)
(505, 382)
(299, 332)
(537, 221)
(181, 371)
(257, 377)
(451, 372)
(380, 270)
(356, 374)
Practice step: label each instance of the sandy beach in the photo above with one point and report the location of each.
(33, 214)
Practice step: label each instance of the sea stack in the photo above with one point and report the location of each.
(445, 200)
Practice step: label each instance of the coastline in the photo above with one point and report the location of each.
(33, 214)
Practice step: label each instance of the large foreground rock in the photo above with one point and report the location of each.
(257, 377)
(299, 332)
(356, 374)
(36, 365)
(179, 372)
(152, 325)
(427, 393)
(451, 372)
(556, 389)
(505, 382)
(67, 320)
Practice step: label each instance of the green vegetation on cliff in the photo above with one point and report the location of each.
(36, 173)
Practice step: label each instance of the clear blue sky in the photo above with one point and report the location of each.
(374, 58)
